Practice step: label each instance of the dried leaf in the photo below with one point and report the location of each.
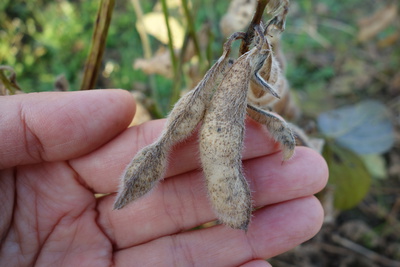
(394, 87)
(389, 40)
(238, 16)
(141, 114)
(371, 26)
(160, 63)
(154, 24)
(61, 84)
(354, 74)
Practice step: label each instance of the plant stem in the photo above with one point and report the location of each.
(192, 31)
(142, 29)
(93, 62)
(174, 61)
(147, 54)
(170, 40)
(244, 47)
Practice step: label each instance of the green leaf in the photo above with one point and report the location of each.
(365, 128)
(376, 165)
(348, 176)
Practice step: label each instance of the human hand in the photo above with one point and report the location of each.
(58, 149)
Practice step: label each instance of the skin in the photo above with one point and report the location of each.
(57, 149)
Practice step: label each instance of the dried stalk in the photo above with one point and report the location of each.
(244, 47)
(93, 63)
(373, 256)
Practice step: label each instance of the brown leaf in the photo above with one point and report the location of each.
(160, 63)
(154, 24)
(237, 17)
(141, 115)
(61, 83)
(372, 25)
(389, 40)
(394, 87)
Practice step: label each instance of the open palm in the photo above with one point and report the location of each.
(58, 150)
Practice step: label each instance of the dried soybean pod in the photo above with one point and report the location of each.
(221, 142)
(278, 128)
(271, 73)
(271, 70)
(280, 8)
(148, 166)
(262, 64)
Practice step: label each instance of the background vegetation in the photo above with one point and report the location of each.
(343, 64)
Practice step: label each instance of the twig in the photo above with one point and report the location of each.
(244, 47)
(364, 251)
(334, 249)
(99, 37)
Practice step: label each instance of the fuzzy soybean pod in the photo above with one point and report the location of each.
(271, 72)
(221, 142)
(148, 166)
(267, 84)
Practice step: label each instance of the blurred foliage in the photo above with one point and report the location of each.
(8, 83)
(43, 39)
(364, 128)
(337, 53)
(348, 176)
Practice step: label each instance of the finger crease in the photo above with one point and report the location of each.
(33, 146)
(176, 219)
(252, 251)
(181, 252)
